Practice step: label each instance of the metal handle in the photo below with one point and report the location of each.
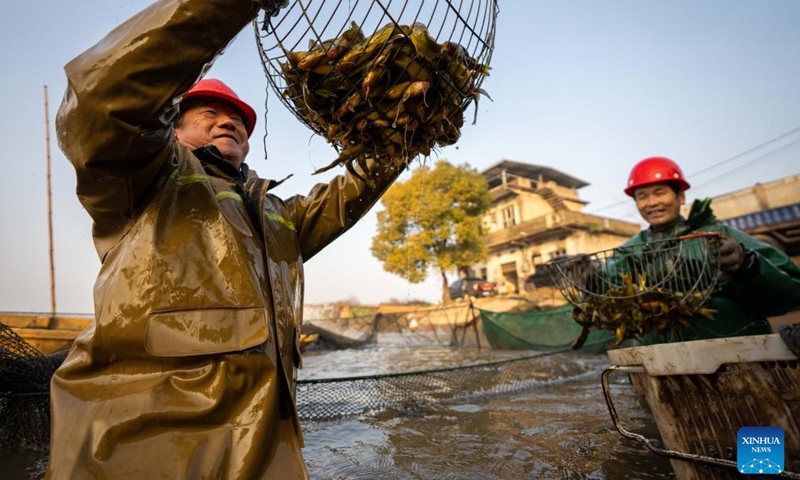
(689, 457)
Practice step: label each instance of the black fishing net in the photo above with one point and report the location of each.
(331, 399)
(24, 405)
(24, 392)
(381, 79)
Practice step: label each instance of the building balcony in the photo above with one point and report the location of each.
(555, 224)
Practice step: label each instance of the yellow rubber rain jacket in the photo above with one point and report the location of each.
(188, 369)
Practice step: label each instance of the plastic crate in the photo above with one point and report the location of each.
(702, 392)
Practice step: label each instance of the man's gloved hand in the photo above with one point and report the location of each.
(731, 258)
(735, 260)
(272, 7)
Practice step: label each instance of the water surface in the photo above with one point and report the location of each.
(558, 428)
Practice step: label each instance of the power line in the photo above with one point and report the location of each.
(751, 162)
(780, 137)
(757, 159)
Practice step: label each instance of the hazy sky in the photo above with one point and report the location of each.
(587, 87)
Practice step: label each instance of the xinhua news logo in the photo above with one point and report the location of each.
(760, 450)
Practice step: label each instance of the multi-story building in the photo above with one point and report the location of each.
(536, 215)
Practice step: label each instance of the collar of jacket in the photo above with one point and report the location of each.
(212, 159)
(676, 228)
(210, 156)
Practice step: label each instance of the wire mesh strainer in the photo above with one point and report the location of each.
(379, 78)
(636, 289)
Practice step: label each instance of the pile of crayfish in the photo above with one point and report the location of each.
(391, 96)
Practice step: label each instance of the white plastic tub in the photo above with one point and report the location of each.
(702, 392)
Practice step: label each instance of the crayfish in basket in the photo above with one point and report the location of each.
(633, 309)
(390, 96)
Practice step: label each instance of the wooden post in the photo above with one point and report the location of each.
(466, 324)
(49, 210)
(475, 324)
(477, 334)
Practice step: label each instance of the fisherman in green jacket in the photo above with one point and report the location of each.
(756, 280)
(188, 370)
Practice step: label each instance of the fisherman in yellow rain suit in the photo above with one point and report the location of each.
(188, 370)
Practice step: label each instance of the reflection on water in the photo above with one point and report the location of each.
(394, 353)
(559, 428)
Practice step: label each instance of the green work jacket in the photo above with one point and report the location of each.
(188, 370)
(742, 303)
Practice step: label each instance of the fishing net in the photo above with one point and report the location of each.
(24, 393)
(636, 289)
(554, 327)
(330, 399)
(379, 79)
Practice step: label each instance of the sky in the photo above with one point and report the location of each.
(583, 86)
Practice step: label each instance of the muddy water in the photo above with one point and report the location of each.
(558, 429)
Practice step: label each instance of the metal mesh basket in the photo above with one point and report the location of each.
(377, 78)
(636, 289)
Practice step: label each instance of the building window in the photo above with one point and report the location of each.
(508, 217)
(536, 260)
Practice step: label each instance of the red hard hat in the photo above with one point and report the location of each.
(655, 170)
(213, 88)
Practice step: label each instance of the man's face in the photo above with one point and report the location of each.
(658, 204)
(217, 123)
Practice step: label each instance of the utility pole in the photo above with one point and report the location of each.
(49, 210)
